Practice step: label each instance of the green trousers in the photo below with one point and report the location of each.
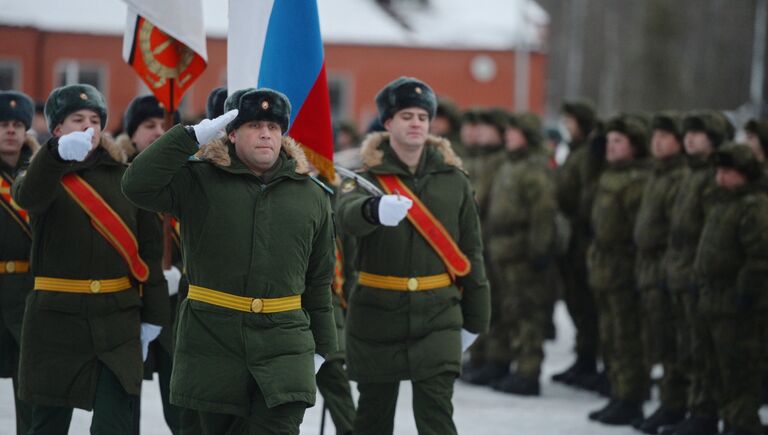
(579, 298)
(333, 384)
(432, 406)
(280, 420)
(115, 412)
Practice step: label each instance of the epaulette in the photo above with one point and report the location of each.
(195, 158)
(327, 189)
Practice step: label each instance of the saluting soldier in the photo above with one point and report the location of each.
(732, 269)
(99, 294)
(421, 282)
(257, 237)
(16, 147)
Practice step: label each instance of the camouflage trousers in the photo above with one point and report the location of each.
(733, 345)
(525, 300)
(662, 316)
(493, 346)
(701, 398)
(620, 333)
(579, 300)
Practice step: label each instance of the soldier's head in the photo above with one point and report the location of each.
(627, 139)
(345, 135)
(144, 121)
(214, 105)
(757, 137)
(447, 119)
(468, 130)
(579, 118)
(406, 108)
(256, 133)
(667, 136)
(16, 112)
(523, 131)
(491, 125)
(76, 108)
(736, 165)
(704, 132)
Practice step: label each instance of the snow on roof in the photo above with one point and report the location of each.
(484, 24)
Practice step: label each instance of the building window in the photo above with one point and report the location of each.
(10, 74)
(339, 93)
(71, 72)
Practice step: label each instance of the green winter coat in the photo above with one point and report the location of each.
(521, 214)
(653, 220)
(260, 237)
(66, 335)
(731, 263)
(394, 335)
(15, 244)
(611, 256)
(688, 214)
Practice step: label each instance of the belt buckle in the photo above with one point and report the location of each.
(412, 284)
(95, 286)
(10, 266)
(257, 305)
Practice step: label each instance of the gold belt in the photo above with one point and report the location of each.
(398, 283)
(82, 285)
(242, 303)
(14, 267)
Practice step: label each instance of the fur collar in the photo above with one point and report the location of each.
(126, 145)
(372, 155)
(31, 143)
(217, 152)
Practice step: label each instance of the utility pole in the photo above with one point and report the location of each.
(758, 59)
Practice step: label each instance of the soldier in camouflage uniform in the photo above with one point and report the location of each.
(521, 217)
(576, 184)
(16, 147)
(757, 138)
(661, 313)
(704, 132)
(447, 124)
(731, 267)
(491, 355)
(611, 263)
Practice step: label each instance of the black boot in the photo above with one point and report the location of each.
(623, 414)
(597, 382)
(695, 425)
(581, 367)
(487, 373)
(514, 383)
(660, 418)
(735, 431)
(597, 414)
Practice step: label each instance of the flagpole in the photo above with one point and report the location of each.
(167, 243)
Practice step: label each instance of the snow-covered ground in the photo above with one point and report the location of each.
(478, 411)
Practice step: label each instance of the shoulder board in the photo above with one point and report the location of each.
(327, 189)
(195, 158)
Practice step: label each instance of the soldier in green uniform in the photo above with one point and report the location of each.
(521, 217)
(99, 294)
(257, 238)
(491, 355)
(704, 132)
(422, 292)
(611, 263)
(576, 185)
(756, 137)
(16, 147)
(144, 122)
(731, 267)
(662, 315)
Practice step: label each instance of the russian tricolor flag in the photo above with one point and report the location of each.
(276, 44)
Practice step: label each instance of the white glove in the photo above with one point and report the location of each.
(149, 332)
(318, 362)
(467, 338)
(76, 145)
(173, 276)
(210, 129)
(393, 208)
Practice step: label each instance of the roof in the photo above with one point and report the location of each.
(448, 24)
